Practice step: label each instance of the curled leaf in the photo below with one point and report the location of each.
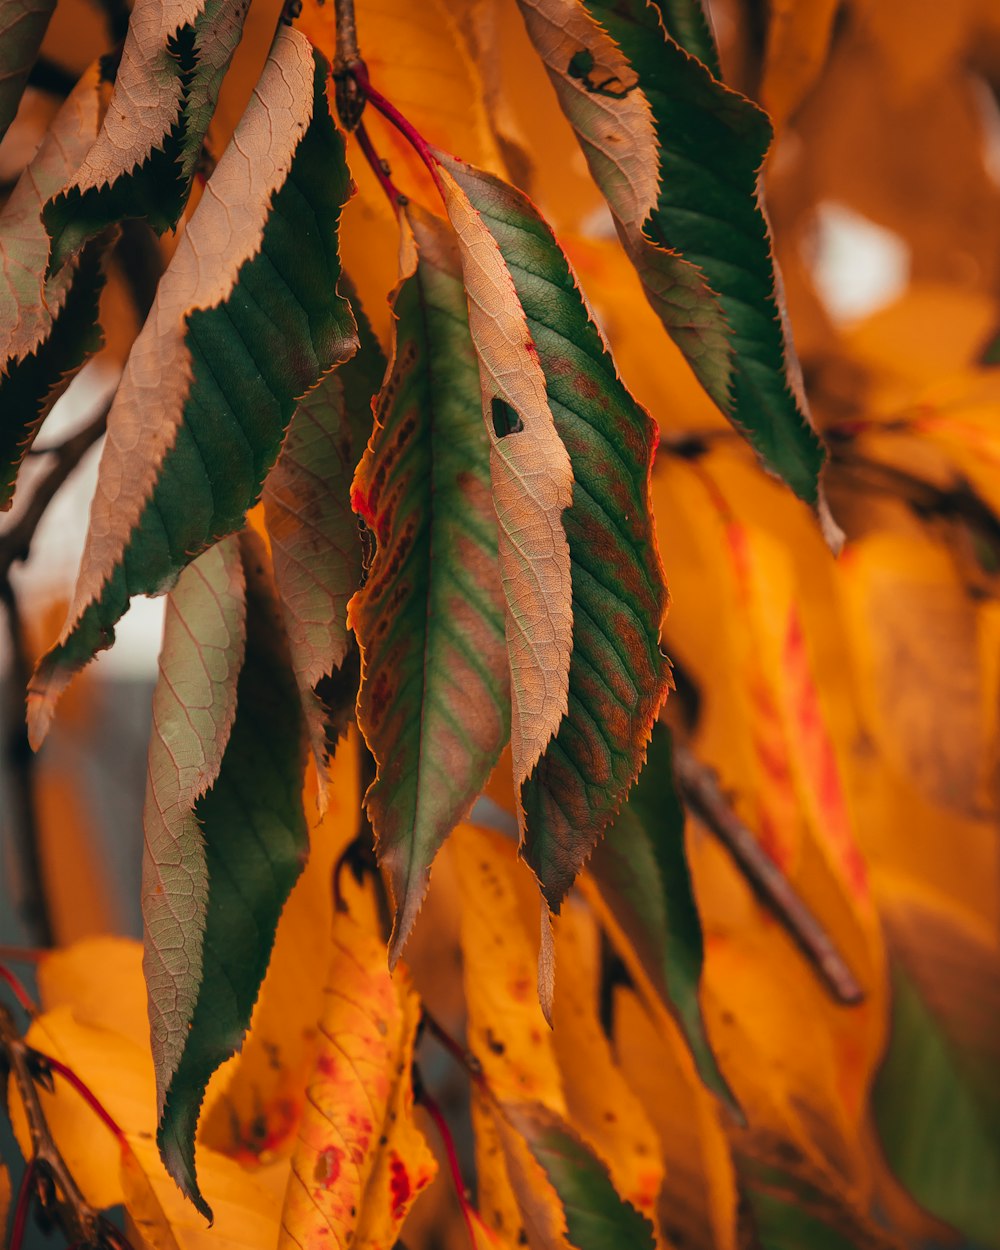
(48, 327)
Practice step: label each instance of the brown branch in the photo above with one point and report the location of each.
(349, 95)
(699, 787)
(15, 544)
(48, 1180)
(19, 761)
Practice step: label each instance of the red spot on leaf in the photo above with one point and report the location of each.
(399, 1186)
(361, 505)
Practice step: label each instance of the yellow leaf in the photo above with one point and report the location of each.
(120, 1074)
(360, 1160)
(602, 1107)
(697, 1205)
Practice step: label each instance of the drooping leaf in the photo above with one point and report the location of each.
(47, 328)
(211, 902)
(798, 41)
(937, 1096)
(677, 155)
(532, 482)
(360, 1160)
(597, 1217)
(22, 28)
(618, 677)
(641, 871)
(434, 701)
(141, 164)
(212, 380)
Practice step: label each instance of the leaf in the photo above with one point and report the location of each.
(211, 383)
(937, 1096)
(601, 1106)
(618, 677)
(360, 1160)
(698, 1203)
(641, 870)
(688, 23)
(597, 1218)
(47, 328)
(312, 529)
(532, 481)
(95, 1021)
(798, 42)
(430, 618)
(256, 1116)
(677, 155)
(22, 28)
(175, 55)
(211, 902)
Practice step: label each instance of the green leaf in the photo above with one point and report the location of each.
(434, 701)
(597, 1217)
(23, 24)
(677, 155)
(48, 329)
(175, 56)
(618, 677)
(687, 22)
(937, 1094)
(246, 320)
(217, 873)
(641, 870)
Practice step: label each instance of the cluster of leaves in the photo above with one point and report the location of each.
(439, 521)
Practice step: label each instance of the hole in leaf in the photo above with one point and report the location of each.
(505, 419)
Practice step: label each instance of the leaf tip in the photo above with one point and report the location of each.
(547, 966)
(831, 531)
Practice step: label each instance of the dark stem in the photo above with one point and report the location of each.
(48, 1174)
(15, 544)
(430, 1105)
(347, 61)
(379, 167)
(24, 1195)
(457, 1051)
(392, 114)
(42, 1062)
(18, 990)
(19, 764)
(699, 787)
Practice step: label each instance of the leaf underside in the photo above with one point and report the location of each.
(144, 159)
(23, 24)
(255, 840)
(251, 357)
(434, 701)
(618, 677)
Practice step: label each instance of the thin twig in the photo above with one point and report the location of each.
(379, 167)
(19, 761)
(15, 544)
(48, 1178)
(429, 1104)
(699, 787)
(17, 988)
